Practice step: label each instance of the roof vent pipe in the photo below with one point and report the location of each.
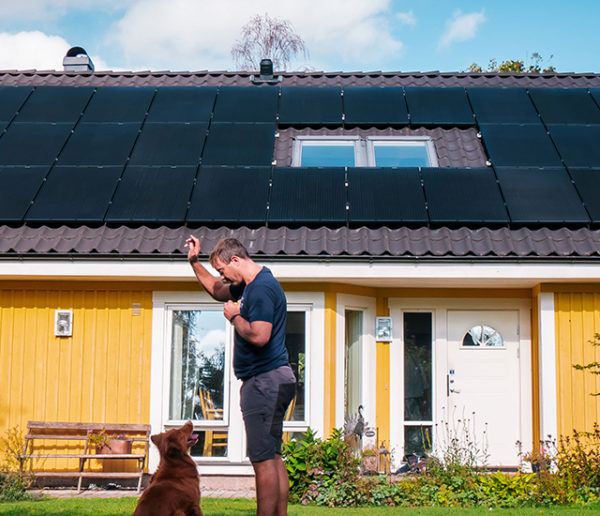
(77, 60)
(266, 73)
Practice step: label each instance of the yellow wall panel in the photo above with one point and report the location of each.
(577, 320)
(100, 374)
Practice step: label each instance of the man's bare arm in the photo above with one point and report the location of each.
(256, 332)
(214, 286)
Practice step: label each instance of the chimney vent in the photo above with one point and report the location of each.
(266, 74)
(77, 60)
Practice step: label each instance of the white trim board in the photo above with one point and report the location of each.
(375, 274)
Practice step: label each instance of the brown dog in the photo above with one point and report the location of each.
(174, 489)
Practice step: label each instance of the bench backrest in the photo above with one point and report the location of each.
(80, 430)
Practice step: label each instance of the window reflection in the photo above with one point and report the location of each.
(295, 341)
(197, 365)
(417, 367)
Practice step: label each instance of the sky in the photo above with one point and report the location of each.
(340, 35)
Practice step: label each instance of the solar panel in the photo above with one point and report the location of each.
(169, 144)
(99, 144)
(152, 194)
(463, 196)
(55, 104)
(214, 200)
(118, 104)
(11, 99)
(75, 194)
(246, 104)
(239, 144)
(565, 106)
(596, 94)
(502, 106)
(537, 195)
(18, 186)
(578, 145)
(526, 145)
(374, 106)
(587, 181)
(32, 144)
(308, 195)
(385, 195)
(182, 104)
(438, 106)
(307, 105)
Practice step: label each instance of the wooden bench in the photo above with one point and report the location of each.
(73, 436)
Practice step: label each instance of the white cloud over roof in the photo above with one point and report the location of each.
(35, 50)
(461, 27)
(192, 35)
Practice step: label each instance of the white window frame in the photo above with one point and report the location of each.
(364, 148)
(328, 141)
(399, 141)
(236, 463)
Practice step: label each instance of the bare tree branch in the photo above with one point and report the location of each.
(264, 37)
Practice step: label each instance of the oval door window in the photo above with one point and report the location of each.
(483, 336)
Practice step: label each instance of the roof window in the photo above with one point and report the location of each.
(370, 151)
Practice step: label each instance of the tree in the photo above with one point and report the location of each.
(514, 65)
(264, 37)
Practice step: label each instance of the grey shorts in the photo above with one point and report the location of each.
(264, 398)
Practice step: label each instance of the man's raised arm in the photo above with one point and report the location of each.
(214, 286)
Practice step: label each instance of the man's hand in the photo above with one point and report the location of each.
(231, 309)
(193, 245)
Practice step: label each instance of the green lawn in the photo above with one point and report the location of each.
(226, 507)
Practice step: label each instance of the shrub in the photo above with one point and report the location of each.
(315, 465)
(14, 482)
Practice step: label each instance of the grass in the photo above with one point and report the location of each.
(226, 507)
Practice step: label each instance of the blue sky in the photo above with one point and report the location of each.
(348, 35)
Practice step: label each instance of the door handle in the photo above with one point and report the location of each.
(450, 385)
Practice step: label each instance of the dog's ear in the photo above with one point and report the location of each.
(156, 439)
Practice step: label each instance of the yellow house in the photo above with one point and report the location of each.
(437, 268)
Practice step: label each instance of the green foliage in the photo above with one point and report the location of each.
(14, 482)
(315, 465)
(591, 367)
(515, 66)
(578, 460)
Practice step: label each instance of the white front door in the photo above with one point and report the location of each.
(483, 380)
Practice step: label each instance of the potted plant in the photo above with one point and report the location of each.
(370, 459)
(105, 443)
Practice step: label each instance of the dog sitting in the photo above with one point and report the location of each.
(174, 489)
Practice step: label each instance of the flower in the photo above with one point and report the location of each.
(99, 438)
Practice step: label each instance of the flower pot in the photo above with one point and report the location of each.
(370, 464)
(116, 446)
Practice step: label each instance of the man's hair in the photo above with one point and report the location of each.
(226, 249)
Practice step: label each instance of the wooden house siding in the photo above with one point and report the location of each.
(577, 320)
(100, 374)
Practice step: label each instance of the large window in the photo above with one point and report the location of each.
(199, 379)
(355, 151)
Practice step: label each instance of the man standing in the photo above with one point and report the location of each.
(256, 307)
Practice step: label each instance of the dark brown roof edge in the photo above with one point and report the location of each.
(303, 243)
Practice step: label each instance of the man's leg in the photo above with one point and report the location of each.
(267, 487)
(284, 486)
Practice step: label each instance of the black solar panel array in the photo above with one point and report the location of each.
(204, 155)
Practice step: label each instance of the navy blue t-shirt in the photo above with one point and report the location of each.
(261, 300)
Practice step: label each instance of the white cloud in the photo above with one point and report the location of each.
(192, 35)
(461, 27)
(407, 18)
(35, 50)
